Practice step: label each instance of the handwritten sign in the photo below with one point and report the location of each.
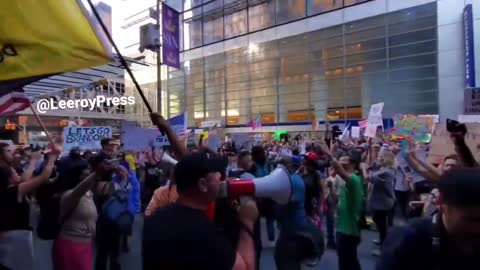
(85, 137)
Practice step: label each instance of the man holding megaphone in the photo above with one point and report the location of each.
(181, 236)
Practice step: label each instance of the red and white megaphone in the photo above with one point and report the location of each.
(168, 159)
(276, 186)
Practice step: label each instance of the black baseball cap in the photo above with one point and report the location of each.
(460, 187)
(195, 166)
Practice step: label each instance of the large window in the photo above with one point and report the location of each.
(236, 23)
(209, 21)
(334, 73)
(289, 10)
(192, 29)
(213, 22)
(320, 6)
(261, 15)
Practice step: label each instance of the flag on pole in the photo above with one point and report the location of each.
(179, 124)
(13, 101)
(362, 123)
(42, 38)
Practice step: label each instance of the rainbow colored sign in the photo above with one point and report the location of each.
(412, 128)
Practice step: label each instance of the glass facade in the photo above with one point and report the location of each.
(209, 21)
(334, 73)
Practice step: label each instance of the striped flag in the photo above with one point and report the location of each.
(13, 101)
(363, 123)
(179, 124)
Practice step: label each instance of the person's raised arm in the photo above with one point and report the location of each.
(27, 174)
(248, 214)
(36, 181)
(164, 127)
(463, 151)
(335, 164)
(71, 197)
(419, 167)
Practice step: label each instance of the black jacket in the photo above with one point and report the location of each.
(413, 247)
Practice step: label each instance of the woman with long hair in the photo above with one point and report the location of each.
(381, 199)
(16, 238)
(72, 250)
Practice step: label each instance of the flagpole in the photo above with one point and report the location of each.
(42, 125)
(120, 56)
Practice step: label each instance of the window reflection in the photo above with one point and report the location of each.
(320, 6)
(335, 72)
(236, 23)
(261, 15)
(289, 10)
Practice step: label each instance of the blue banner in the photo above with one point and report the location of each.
(469, 47)
(171, 37)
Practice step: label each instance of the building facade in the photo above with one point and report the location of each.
(290, 62)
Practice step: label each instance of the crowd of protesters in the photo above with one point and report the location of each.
(427, 215)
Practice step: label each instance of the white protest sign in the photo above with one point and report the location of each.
(355, 132)
(85, 137)
(374, 120)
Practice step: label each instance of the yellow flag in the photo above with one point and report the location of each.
(39, 38)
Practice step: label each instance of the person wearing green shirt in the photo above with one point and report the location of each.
(349, 209)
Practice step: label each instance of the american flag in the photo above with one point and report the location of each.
(179, 124)
(363, 123)
(13, 101)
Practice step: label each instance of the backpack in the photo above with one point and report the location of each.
(115, 209)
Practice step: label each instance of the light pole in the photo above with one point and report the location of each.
(159, 61)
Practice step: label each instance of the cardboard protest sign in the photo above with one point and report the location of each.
(85, 137)
(374, 120)
(441, 144)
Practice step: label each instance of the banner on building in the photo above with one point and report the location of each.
(469, 46)
(41, 38)
(471, 101)
(171, 40)
(85, 137)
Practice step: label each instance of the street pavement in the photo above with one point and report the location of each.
(133, 259)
